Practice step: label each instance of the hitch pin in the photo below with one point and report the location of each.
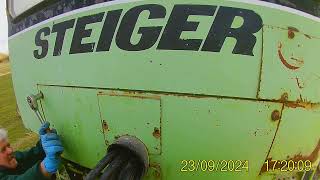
(33, 103)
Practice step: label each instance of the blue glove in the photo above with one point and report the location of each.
(44, 128)
(52, 146)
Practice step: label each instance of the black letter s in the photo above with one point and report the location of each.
(42, 43)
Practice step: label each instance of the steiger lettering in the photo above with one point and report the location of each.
(170, 39)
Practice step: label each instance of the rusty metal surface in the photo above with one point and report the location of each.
(290, 66)
(290, 141)
(190, 105)
(75, 124)
(275, 115)
(127, 113)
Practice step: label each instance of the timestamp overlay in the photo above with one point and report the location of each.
(214, 166)
(287, 165)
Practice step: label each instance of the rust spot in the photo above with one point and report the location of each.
(311, 157)
(105, 125)
(284, 97)
(307, 36)
(275, 116)
(157, 170)
(134, 95)
(156, 133)
(112, 93)
(293, 105)
(302, 104)
(291, 34)
(284, 61)
(131, 93)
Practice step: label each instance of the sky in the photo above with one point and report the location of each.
(3, 28)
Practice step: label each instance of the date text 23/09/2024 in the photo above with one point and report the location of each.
(214, 166)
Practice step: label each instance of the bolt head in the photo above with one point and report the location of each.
(275, 116)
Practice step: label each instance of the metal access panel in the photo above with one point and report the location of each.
(136, 115)
(216, 129)
(290, 69)
(291, 142)
(174, 128)
(74, 113)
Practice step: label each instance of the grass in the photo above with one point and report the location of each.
(19, 137)
(4, 67)
(3, 57)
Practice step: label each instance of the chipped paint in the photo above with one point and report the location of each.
(302, 104)
(312, 157)
(284, 61)
(156, 168)
(156, 133)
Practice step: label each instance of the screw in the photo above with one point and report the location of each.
(156, 133)
(275, 116)
(105, 125)
(291, 34)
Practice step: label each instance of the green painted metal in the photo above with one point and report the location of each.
(133, 115)
(203, 132)
(301, 84)
(206, 105)
(291, 141)
(79, 123)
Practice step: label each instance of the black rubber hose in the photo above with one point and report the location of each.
(132, 171)
(101, 165)
(139, 167)
(127, 173)
(114, 167)
(139, 174)
(138, 170)
(120, 163)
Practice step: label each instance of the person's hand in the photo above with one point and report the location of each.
(46, 128)
(52, 147)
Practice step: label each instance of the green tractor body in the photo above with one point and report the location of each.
(215, 89)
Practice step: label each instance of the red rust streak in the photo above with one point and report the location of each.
(302, 104)
(264, 168)
(312, 157)
(284, 61)
(294, 105)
